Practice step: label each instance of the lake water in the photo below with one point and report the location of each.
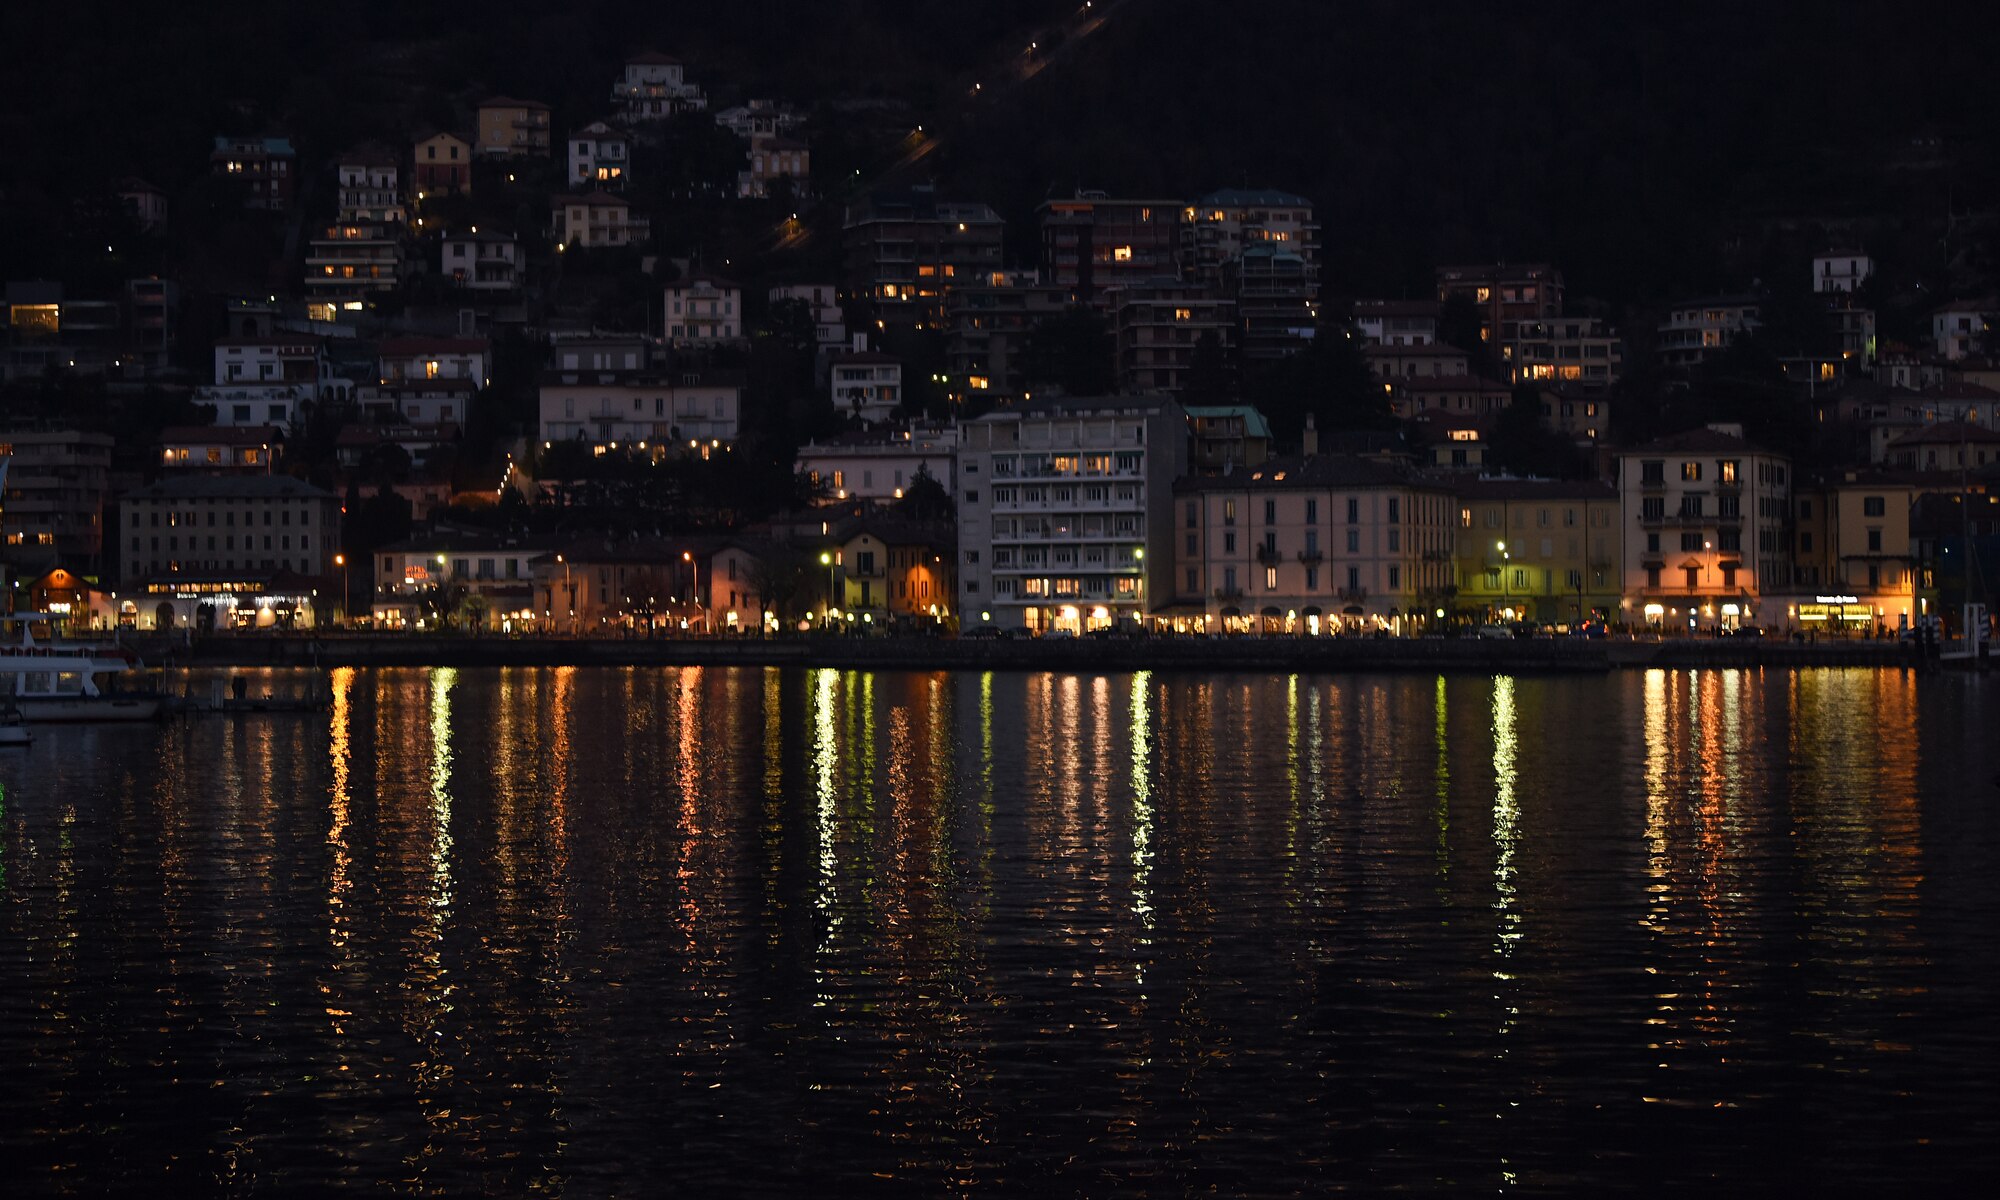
(740, 931)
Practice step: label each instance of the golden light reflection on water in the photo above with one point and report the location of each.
(340, 756)
(1506, 819)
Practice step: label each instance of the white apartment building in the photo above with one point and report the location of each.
(1706, 532)
(1959, 329)
(600, 157)
(1396, 322)
(867, 385)
(1841, 270)
(369, 189)
(429, 358)
(482, 262)
(823, 301)
(1056, 502)
(1699, 328)
(703, 311)
(655, 87)
(877, 467)
(656, 411)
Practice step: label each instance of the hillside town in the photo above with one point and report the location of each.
(642, 370)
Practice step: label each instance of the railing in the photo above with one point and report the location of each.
(1229, 593)
(1269, 556)
(1353, 593)
(1312, 556)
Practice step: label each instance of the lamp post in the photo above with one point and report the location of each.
(346, 588)
(570, 589)
(687, 556)
(826, 560)
(1504, 560)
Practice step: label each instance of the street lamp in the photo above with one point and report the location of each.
(687, 556)
(826, 560)
(571, 589)
(1505, 558)
(346, 588)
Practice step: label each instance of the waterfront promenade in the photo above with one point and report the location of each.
(1116, 654)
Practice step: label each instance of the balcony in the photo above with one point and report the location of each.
(1311, 557)
(1229, 593)
(1355, 594)
(1269, 556)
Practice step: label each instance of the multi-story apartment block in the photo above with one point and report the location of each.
(877, 465)
(266, 166)
(1583, 416)
(656, 411)
(293, 359)
(482, 262)
(600, 158)
(409, 359)
(598, 221)
(655, 87)
(1226, 437)
(1092, 242)
(703, 311)
(430, 402)
(1414, 396)
(53, 508)
(1961, 328)
(1841, 270)
(867, 386)
(1277, 299)
(1415, 360)
(1574, 352)
(443, 165)
(353, 261)
(990, 325)
(896, 570)
(773, 158)
(1396, 322)
(1506, 295)
(1539, 550)
(1057, 503)
(1699, 328)
(369, 190)
(510, 128)
(1707, 521)
(1853, 565)
(905, 251)
(412, 578)
(1157, 326)
(1310, 544)
(1219, 227)
(190, 528)
(249, 450)
(822, 301)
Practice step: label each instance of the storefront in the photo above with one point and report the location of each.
(1840, 615)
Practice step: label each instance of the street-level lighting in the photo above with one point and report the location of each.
(687, 556)
(826, 560)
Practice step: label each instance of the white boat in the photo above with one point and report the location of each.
(12, 732)
(69, 681)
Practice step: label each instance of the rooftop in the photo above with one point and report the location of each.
(230, 487)
(1311, 471)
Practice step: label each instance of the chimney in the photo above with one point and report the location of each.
(1311, 443)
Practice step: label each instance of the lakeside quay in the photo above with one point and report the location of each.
(1225, 654)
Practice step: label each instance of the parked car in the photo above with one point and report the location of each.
(985, 632)
(1746, 631)
(1495, 631)
(1059, 634)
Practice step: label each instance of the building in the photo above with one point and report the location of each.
(822, 304)
(1547, 551)
(56, 484)
(403, 359)
(1396, 322)
(600, 158)
(1277, 300)
(229, 551)
(144, 203)
(1092, 243)
(653, 88)
(1581, 353)
(1158, 325)
(774, 158)
(1216, 229)
(1507, 296)
(297, 360)
(472, 578)
(47, 329)
(905, 251)
(370, 192)
(1961, 328)
(1855, 330)
(423, 402)
(244, 450)
(1414, 396)
(757, 118)
(1707, 529)
(1582, 416)
(155, 306)
(353, 261)
(597, 221)
(443, 165)
(867, 386)
(510, 128)
(265, 167)
(896, 571)
(702, 311)
(1310, 544)
(1226, 437)
(1698, 328)
(1057, 503)
(990, 325)
(1417, 360)
(1840, 271)
(1854, 564)
(878, 465)
(1945, 446)
(482, 262)
(653, 410)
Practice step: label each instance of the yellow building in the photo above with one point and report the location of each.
(1538, 550)
(510, 128)
(892, 569)
(1852, 555)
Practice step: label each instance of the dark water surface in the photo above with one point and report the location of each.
(739, 931)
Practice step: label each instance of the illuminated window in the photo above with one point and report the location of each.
(1121, 254)
(1483, 295)
(1183, 314)
(1691, 472)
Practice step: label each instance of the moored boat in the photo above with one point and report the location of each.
(70, 681)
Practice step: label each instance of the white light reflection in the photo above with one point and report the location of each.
(1142, 813)
(1506, 818)
(826, 752)
(442, 680)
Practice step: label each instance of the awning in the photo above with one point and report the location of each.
(1232, 611)
(1354, 610)
(1271, 611)
(1310, 610)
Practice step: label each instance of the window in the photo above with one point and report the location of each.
(1729, 539)
(1229, 543)
(1312, 512)
(1726, 470)
(1874, 541)
(1465, 518)
(972, 496)
(1691, 472)
(1729, 506)
(1270, 579)
(1872, 506)
(1354, 579)
(1353, 510)
(1652, 543)
(1354, 541)
(1652, 470)
(1652, 508)
(1312, 579)
(1229, 579)
(1691, 542)
(1193, 580)
(1691, 506)
(1270, 512)
(1190, 514)
(1653, 577)
(1191, 546)
(1395, 578)
(1229, 512)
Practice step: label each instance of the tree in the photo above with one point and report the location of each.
(1523, 445)
(925, 499)
(1074, 351)
(1328, 379)
(1208, 379)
